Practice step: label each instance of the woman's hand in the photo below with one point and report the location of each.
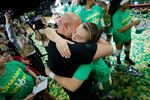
(62, 47)
(38, 81)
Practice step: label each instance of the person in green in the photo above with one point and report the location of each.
(107, 22)
(91, 12)
(17, 81)
(122, 24)
(75, 7)
(85, 33)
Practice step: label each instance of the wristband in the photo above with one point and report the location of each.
(51, 75)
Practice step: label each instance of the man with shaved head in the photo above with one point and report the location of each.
(69, 21)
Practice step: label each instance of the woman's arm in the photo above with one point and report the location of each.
(61, 43)
(134, 23)
(33, 75)
(103, 49)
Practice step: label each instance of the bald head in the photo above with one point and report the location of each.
(68, 23)
(72, 18)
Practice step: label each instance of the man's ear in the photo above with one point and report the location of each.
(65, 26)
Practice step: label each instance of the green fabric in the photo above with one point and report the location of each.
(75, 9)
(93, 15)
(99, 68)
(15, 81)
(121, 19)
(108, 21)
(66, 7)
(2, 97)
(83, 72)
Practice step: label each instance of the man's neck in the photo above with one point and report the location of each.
(62, 33)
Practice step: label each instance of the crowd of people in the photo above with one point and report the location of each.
(76, 50)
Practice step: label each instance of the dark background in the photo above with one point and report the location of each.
(20, 6)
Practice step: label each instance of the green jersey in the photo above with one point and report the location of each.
(15, 82)
(121, 19)
(98, 67)
(92, 15)
(66, 7)
(75, 8)
(2, 97)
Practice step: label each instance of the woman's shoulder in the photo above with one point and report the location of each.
(96, 7)
(117, 13)
(12, 62)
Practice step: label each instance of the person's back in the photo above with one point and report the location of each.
(94, 14)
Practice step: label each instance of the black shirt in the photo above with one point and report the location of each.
(81, 53)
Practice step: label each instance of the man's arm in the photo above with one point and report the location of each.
(71, 84)
(38, 35)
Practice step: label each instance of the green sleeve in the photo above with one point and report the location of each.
(21, 65)
(2, 97)
(102, 12)
(101, 70)
(83, 72)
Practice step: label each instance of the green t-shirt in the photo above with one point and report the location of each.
(75, 8)
(66, 7)
(98, 67)
(15, 82)
(2, 97)
(92, 15)
(121, 19)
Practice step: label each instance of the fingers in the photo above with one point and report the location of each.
(70, 42)
(64, 50)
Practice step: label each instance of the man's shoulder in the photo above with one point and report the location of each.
(80, 46)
